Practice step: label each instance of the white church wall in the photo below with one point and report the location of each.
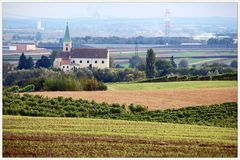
(85, 62)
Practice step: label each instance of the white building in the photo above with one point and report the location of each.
(70, 59)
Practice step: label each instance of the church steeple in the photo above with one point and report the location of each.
(67, 43)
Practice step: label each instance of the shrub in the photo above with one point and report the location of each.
(173, 78)
(162, 79)
(230, 76)
(205, 78)
(137, 108)
(37, 82)
(183, 78)
(102, 86)
(61, 83)
(28, 88)
(92, 84)
(193, 78)
(13, 89)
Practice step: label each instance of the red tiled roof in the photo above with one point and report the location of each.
(65, 62)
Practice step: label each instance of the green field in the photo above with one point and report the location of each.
(175, 53)
(85, 137)
(183, 53)
(171, 85)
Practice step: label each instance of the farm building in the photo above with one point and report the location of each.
(70, 59)
(20, 47)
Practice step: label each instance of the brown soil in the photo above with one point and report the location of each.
(77, 145)
(106, 138)
(155, 99)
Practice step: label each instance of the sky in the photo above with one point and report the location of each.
(117, 10)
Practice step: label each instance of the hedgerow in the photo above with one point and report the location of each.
(227, 76)
(222, 115)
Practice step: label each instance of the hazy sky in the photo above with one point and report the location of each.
(118, 10)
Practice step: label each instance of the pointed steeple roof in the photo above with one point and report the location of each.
(67, 37)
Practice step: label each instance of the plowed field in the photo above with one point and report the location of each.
(155, 99)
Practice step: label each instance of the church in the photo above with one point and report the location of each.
(74, 58)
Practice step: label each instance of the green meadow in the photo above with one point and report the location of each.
(171, 85)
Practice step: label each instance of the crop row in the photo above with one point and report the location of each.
(222, 115)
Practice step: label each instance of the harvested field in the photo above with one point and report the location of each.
(155, 99)
(85, 137)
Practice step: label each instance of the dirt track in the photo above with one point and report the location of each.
(157, 99)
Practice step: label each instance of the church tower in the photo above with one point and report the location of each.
(67, 43)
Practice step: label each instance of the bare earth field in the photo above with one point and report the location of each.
(155, 99)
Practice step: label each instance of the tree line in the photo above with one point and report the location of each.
(161, 67)
(27, 63)
(131, 40)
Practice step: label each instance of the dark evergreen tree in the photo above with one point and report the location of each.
(29, 64)
(43, 62)
(174, 65)
(22, 62)
(150, 64)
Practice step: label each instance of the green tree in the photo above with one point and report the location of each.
(7, 67)
(22, 62)
(43, 62)
(142, 67)
(234, 64)
(53, 56)
(30, 63)
(183, 63)
(135, 61)
(111, 62)
(163, 67)
(174, 65)
(150, 64)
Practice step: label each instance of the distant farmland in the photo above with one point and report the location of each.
(121, 55)
(194, 56)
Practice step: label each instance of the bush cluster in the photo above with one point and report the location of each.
(64, 82)
(222, 115)
(49, 80)
(61, 83)
(15, 89)
(111, 74)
